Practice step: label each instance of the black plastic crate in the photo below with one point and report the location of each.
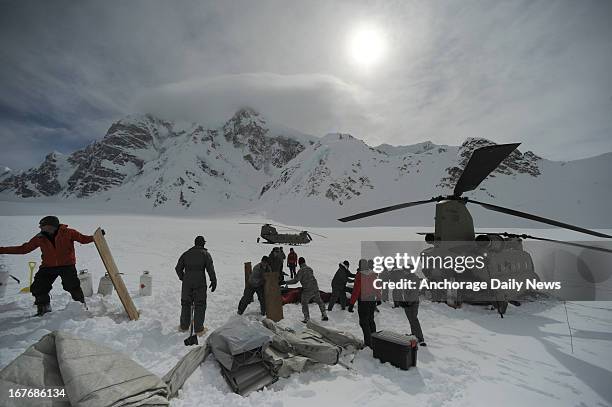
(397, 349)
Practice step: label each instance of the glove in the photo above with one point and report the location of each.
(103, 232)
(378, 302)
(213, 286)
(350, 308)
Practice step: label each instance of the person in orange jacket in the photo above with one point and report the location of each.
(292, 261)
(367, 298)
(56, 242)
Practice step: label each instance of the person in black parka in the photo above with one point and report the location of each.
(342, 277)
(255, 285)
(191, 269)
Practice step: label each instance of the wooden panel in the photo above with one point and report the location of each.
(274, 302)
(113, 273)
(247, 273)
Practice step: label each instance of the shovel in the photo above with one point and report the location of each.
(193, 338)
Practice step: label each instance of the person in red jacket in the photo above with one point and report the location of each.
(367, 298)
(292, 261)
(56, 242)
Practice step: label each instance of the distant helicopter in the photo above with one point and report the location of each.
(454, 233)
(271, 236)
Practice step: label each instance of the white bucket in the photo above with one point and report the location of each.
(4, 277)
(86, 283)
(106, 285)
(146, 284)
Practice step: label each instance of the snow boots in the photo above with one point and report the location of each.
(42, 309)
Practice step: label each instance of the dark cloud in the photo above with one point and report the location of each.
(531, 71)
(319, 103)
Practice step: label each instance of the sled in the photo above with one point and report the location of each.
(113, 273)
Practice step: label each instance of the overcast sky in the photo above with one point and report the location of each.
(538, 72)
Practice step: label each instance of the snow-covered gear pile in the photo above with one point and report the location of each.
(91, 374)
(255, 354)
(239, 346)
(252, 355)
(292, 351)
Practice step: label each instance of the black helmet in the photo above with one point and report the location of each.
(49, 220)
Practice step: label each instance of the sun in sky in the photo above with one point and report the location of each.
(366, 46)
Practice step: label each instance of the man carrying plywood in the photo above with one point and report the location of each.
(56, 242)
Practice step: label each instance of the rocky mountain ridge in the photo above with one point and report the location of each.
(251, 165)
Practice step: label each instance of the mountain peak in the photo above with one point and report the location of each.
(246, 114)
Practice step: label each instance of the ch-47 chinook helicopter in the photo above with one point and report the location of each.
(454, 234)
(270, 235)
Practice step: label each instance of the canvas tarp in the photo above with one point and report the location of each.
(346, 340)
(91, 374)
(307, 343)
(177, 376)
(233, 343)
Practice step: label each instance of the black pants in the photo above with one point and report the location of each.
(412, 311)
(196, 296)
(247, 298)
(338, 295)
(292, 268)
(43, 283)
(366, 310)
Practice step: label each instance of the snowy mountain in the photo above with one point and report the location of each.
(166, 163)
(146, 164)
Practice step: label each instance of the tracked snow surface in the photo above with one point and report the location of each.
(474, 358)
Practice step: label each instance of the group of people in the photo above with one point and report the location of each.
(305, 276)
(56, 242)
(363, 292)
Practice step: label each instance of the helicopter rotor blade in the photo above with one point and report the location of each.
(584, 246)
(316, 234)
(482, 162)
(537, 218)
(298, 230)
(387, 209)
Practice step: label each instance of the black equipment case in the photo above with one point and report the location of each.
(397, 349)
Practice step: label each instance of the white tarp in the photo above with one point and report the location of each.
(308, 343)
(91, 374)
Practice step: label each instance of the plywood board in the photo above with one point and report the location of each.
(113, 273)
(247, 273)
(274, 301)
